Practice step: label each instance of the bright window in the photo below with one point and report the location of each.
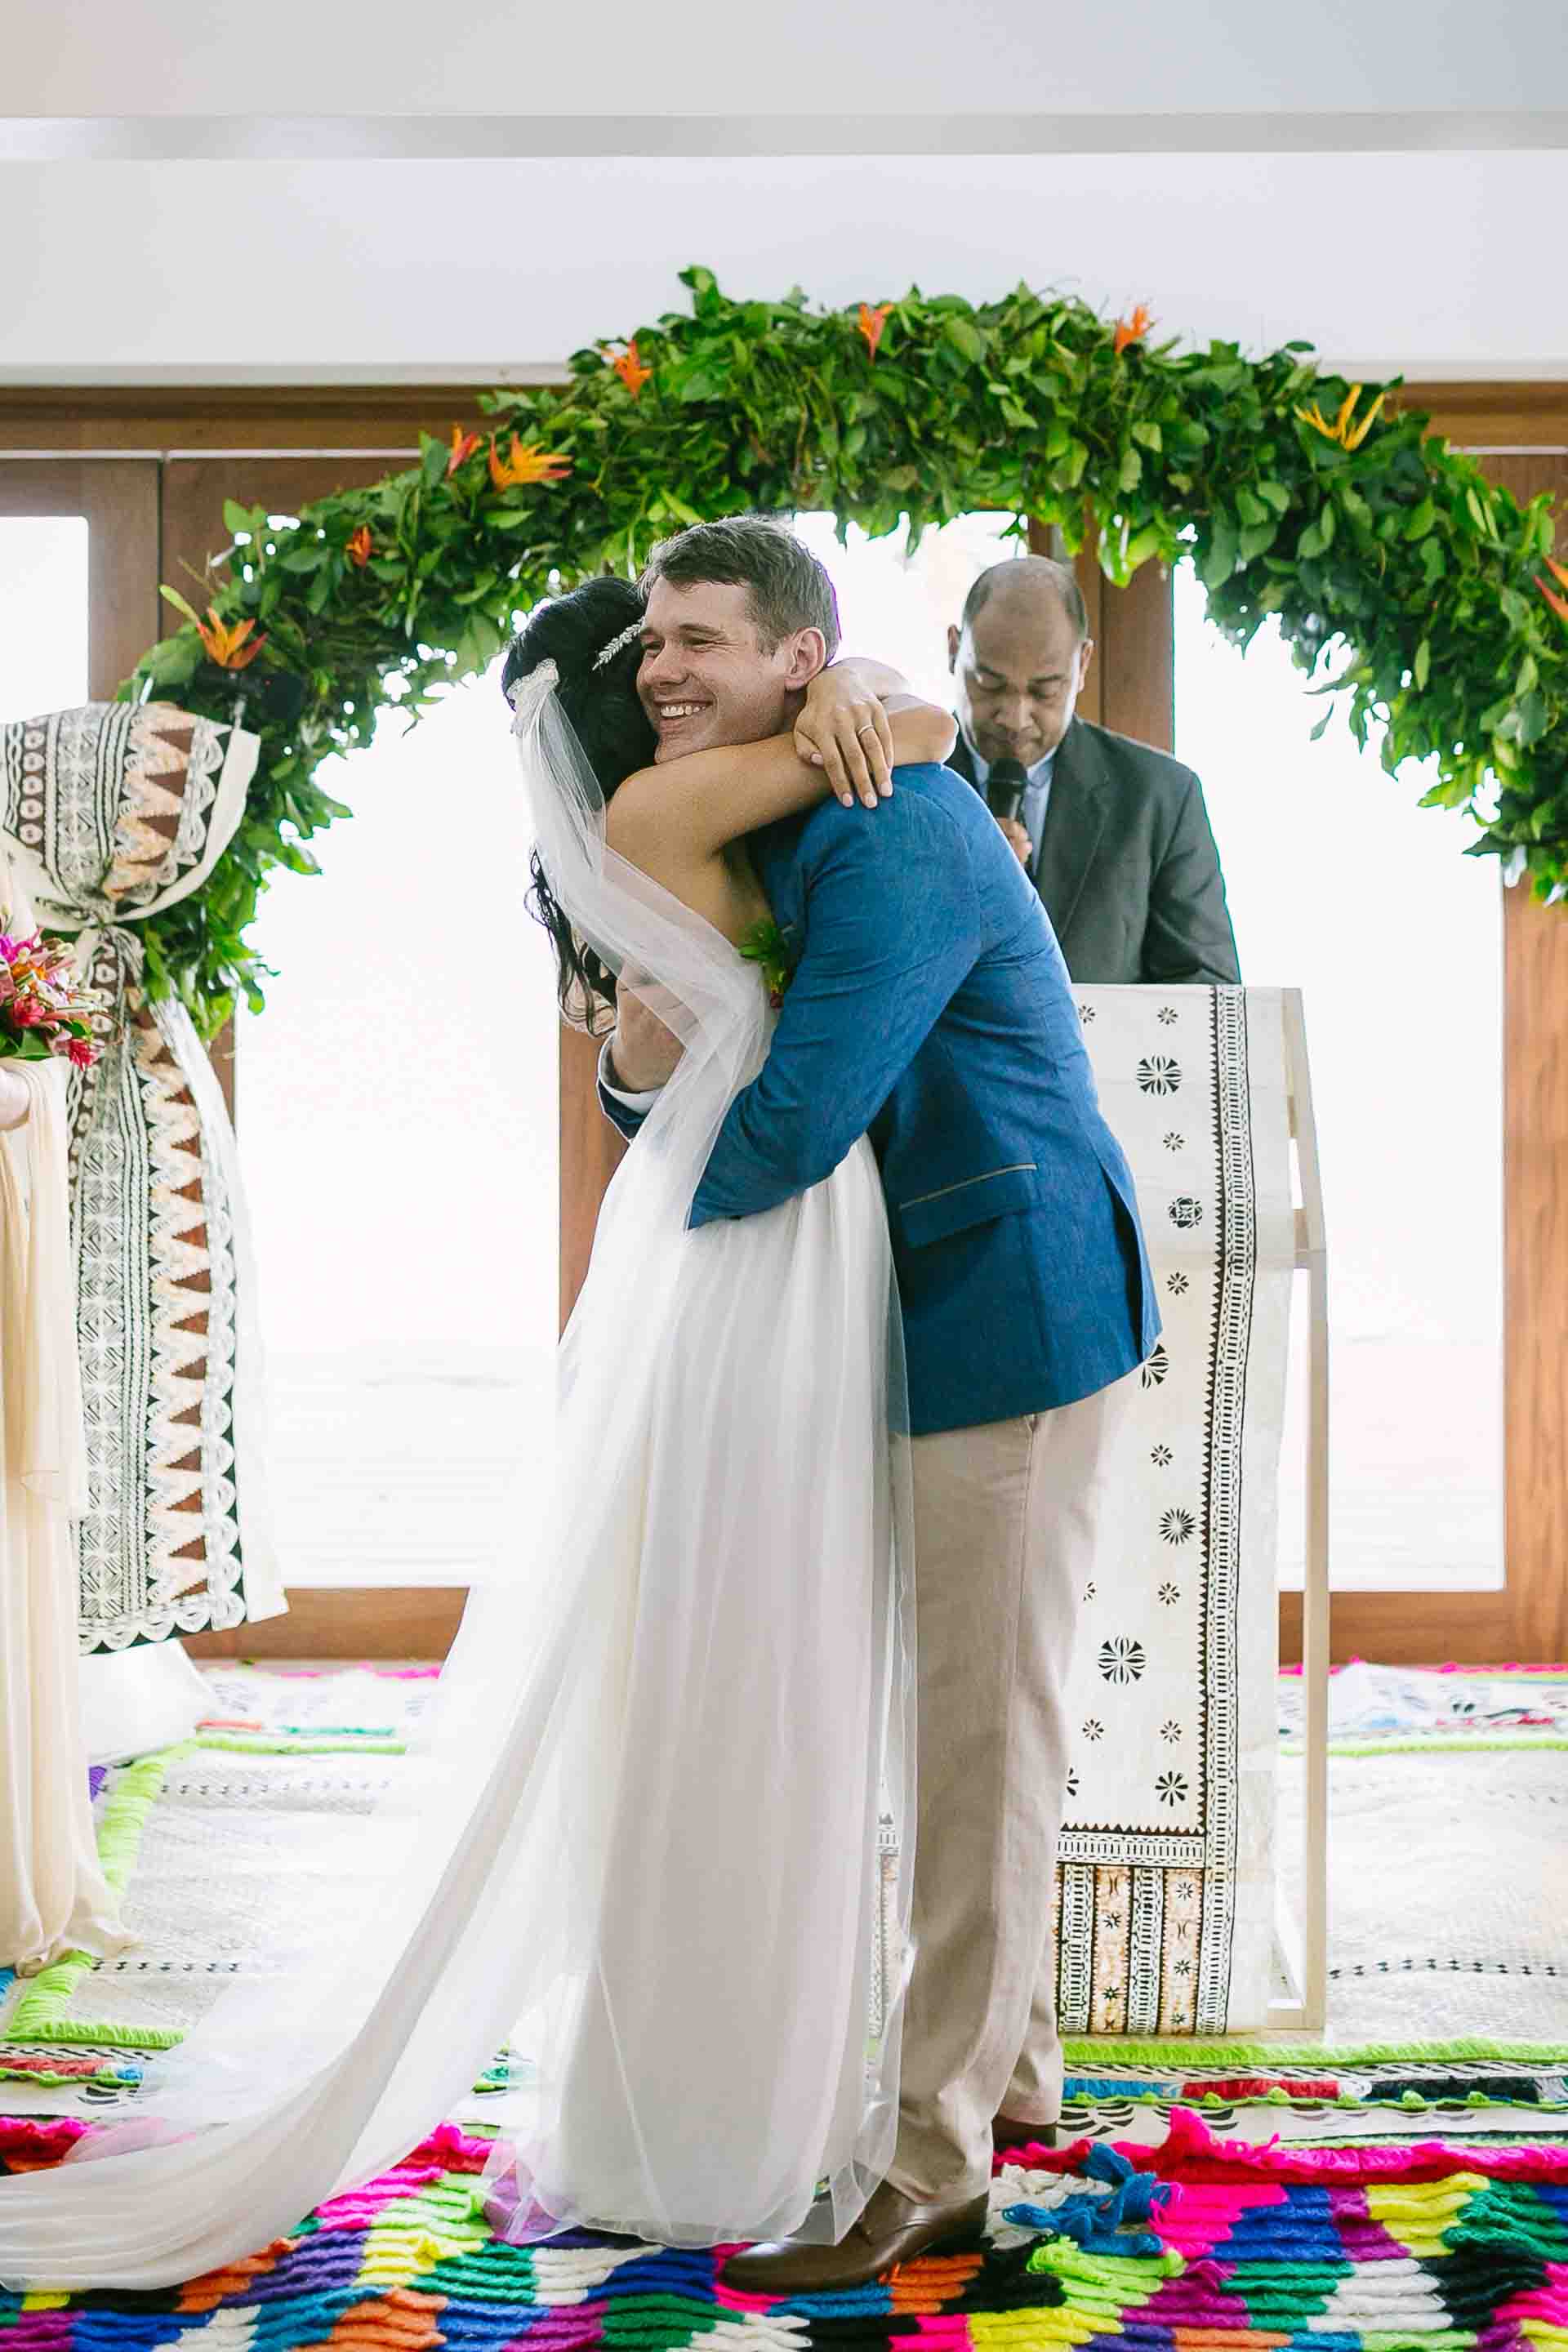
(1341, 885)
(397, 1120)
(43, 613)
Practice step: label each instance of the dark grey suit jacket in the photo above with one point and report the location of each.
(1128, 868)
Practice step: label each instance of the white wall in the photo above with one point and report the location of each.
(128, 58)
(408, 190)
(473, 271)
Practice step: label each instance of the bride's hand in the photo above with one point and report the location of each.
(843, 730)
(644, 1053)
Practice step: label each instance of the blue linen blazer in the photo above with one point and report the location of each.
(930, 1007)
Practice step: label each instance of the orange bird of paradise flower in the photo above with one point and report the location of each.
(463, 447)
(359, 546)
(526, 462)
(1133, 330)
(227, 645)
(1559, 573)
(628, 366)
(871, 323)
(1348, 432)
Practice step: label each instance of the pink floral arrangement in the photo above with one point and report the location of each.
(42, 1009)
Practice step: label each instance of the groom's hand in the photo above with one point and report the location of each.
(644, 1053)
(843, 730)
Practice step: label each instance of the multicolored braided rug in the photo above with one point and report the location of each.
(1196, 2245)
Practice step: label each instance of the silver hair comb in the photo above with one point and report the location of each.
(618, 645)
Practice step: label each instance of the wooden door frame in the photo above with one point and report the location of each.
(66, 449)
(119, 498)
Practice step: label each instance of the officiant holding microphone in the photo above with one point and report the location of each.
(1114, 836)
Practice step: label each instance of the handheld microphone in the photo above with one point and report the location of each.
(1004, 788)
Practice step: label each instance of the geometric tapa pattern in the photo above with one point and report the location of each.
(1403, 2250)
(118, 810)
(1165, 1876)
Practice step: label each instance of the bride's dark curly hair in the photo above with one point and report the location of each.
(614, 731)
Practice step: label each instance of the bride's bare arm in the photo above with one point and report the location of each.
(681, 815)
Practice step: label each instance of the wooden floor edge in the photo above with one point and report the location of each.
(1408, 1629)
(326, 1620)
(1397, 1629)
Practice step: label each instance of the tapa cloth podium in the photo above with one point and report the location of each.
(1166, 1908)
(114, 811)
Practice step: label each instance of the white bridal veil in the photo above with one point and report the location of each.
(657, 1836)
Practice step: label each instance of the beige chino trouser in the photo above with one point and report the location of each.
(1009, 1519)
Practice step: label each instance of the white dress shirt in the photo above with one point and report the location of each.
(633, 1102)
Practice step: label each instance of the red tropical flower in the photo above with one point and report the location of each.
(526, 462)
(871, 323)
(359, 548)
(1559, 572)
(227, 645)
(1133, 330)
(463, 447)
(629, 367)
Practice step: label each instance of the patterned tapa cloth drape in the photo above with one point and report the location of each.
(1166, 1879)
(112, 812)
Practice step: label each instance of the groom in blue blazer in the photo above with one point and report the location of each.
(929, 1008)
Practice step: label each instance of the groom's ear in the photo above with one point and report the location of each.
(807, 655)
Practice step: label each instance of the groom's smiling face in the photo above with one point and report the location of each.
(707, 677)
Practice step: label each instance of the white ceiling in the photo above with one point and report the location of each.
(339, 192)
(725, 58)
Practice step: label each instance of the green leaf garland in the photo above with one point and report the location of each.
(1295, 494)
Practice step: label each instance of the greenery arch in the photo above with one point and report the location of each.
(1294, 493)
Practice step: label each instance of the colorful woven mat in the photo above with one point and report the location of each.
(1314, 2092)
(1373, 1709)
(207, 1841)
(1200, 2244)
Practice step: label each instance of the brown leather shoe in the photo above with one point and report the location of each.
(1007, 2133)
(893, 2228)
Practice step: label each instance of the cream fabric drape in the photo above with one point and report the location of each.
(53, 1894)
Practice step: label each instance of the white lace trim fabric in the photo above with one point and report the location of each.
(1166, 1877)
(115, 811)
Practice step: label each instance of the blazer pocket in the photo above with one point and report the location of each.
(955, 1208)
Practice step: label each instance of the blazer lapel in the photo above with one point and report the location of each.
(1074, 820)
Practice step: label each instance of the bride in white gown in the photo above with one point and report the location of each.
(642, 1843)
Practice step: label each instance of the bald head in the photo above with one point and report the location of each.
(1030, 584)
(1020, 654)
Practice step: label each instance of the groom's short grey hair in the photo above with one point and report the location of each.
(787, 588)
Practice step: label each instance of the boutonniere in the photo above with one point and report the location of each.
(766, 945)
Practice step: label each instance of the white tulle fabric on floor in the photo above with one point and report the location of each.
(644, 1845)
(53, 1896)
